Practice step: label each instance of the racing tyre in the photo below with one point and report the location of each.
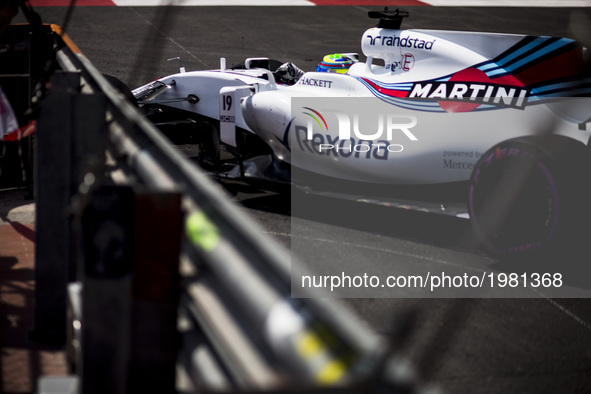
(531, 194)
(121, 88)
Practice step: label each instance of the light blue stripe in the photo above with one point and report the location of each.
(488, 66)
(538, 41)
(542, 89)
(558, 44)
(497, 72)
(414, 103)
(561, 85)
(407, 105)
(392, 86)
(492, 70)
(570, 93)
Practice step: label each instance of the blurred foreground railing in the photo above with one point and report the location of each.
(158, 282)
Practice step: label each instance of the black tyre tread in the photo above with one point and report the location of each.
(567, 161)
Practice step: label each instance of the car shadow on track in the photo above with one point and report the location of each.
(430, 229)
(434, 229)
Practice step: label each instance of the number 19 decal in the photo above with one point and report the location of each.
(226, 102)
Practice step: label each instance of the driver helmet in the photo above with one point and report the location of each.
(336, 63)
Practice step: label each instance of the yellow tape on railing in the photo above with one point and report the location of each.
(202, 232)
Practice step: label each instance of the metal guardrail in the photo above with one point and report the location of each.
(139, 231)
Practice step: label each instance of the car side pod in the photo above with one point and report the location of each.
(532, 194)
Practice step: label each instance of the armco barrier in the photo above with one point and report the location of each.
(167, 286)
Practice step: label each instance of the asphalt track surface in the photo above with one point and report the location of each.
(463, 345)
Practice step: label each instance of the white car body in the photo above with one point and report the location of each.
(481, 102)
(446, 108)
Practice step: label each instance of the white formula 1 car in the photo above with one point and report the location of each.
(496, 119)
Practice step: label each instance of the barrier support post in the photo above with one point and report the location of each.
(71, 136)
(155, 292)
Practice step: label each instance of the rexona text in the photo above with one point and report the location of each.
(354, 142)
